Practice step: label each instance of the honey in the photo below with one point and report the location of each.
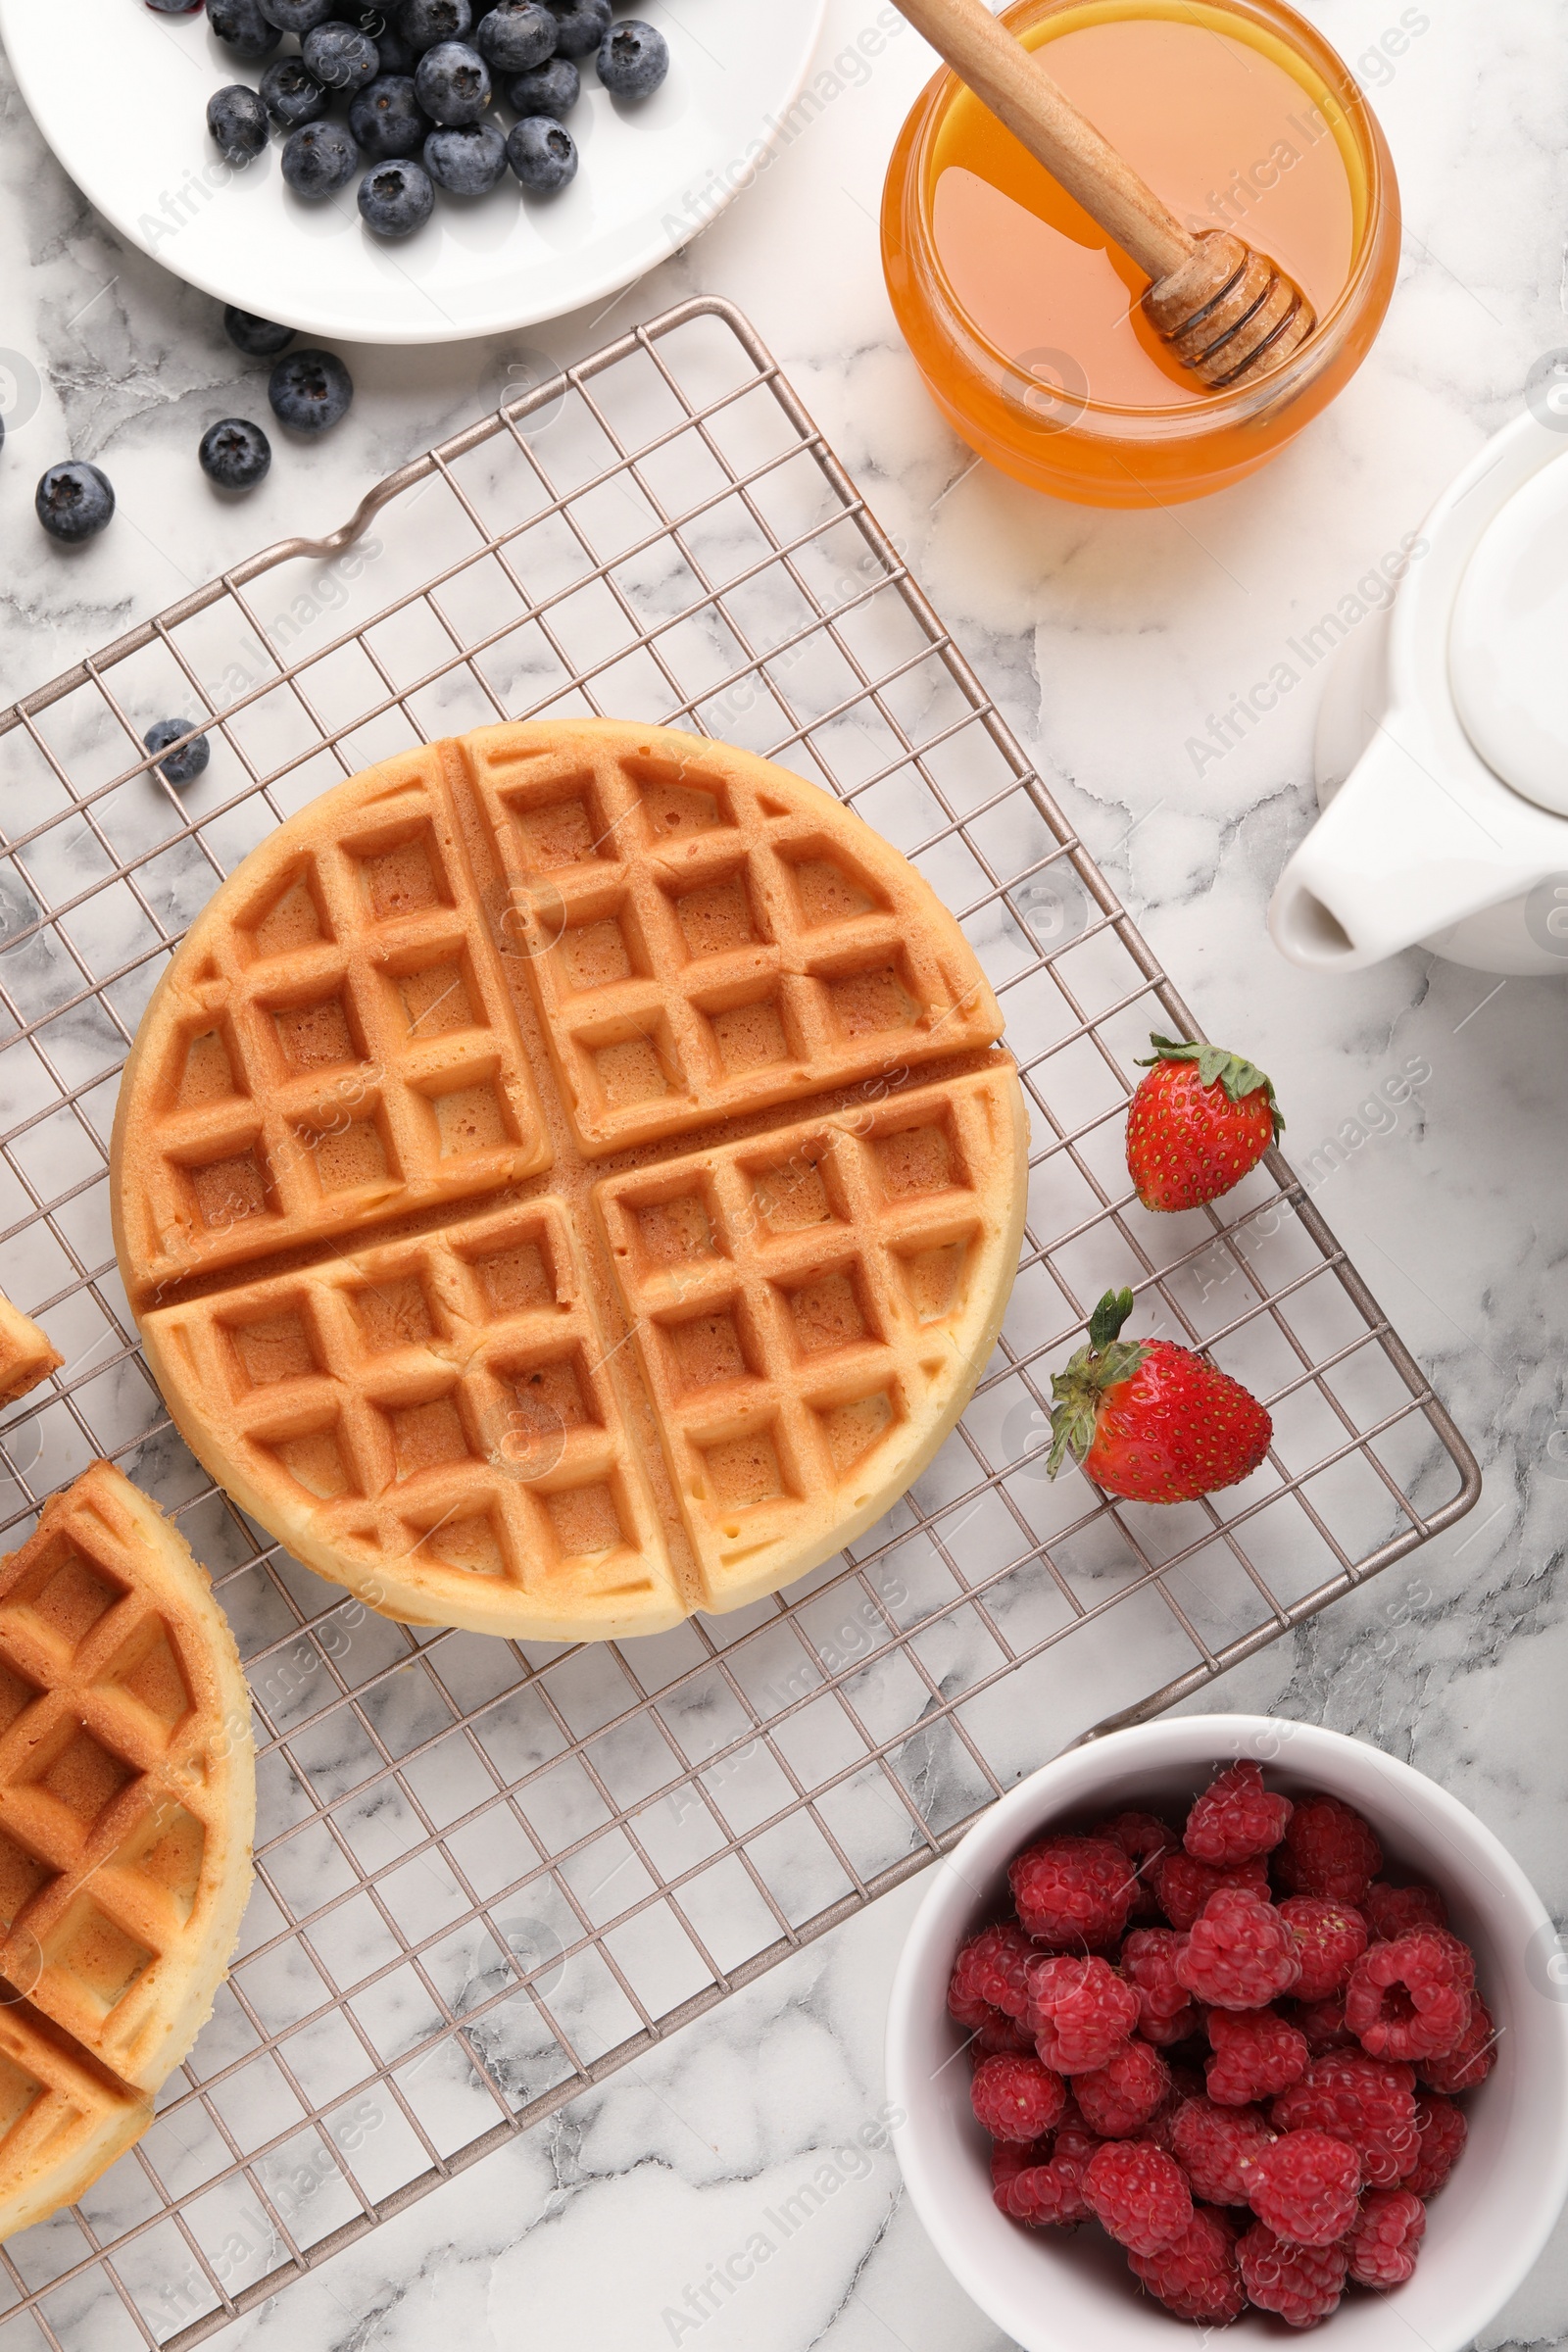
(1027, 323)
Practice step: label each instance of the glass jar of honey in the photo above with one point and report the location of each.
(1027, 323)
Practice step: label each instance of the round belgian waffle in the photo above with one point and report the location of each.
(565, 1179)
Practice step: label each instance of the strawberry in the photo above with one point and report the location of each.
(1198, 1121)
(1150, 1420)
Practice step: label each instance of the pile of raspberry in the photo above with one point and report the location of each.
(1236, 2047)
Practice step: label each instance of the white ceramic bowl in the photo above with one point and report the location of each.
(121, 95)
(1072, 2293)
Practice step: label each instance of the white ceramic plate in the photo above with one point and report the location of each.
(122, 96)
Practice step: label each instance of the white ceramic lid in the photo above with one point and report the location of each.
(1509, 646)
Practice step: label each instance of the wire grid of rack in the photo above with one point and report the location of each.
(489, 1874)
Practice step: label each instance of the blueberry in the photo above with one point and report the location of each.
(319, 159)
(553, 89)
(424, 23)
(182, 767)
(453, 82)
(310, 390)
(175, 8)
(74, 501)
(237, 120)
(396, 198)
(340, 56)
(515, 37)
(581, 25)
(542, 153)
(394, 53)
(468, 159)
(241, 26)
(633, 60)
(235, 454)
(257, 338)
(296, 16)
(388, 119)
(291, 93)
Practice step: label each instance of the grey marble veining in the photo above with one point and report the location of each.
(1111, 641)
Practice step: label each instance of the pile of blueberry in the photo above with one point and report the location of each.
(419, 92)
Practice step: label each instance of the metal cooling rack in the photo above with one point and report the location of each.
(490, 1874)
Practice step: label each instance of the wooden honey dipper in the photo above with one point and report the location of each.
(1228, 313)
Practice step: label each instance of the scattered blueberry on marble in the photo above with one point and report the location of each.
(175, 8)
(257, 338)
(235, 454)
(388, 120)
(581, 25)
(453, 84)
(341, 57)
(424, 23)
(291, 94)
(466, 158)
(297, 15)
(396, 198)
(542, 153)
(311, 390)
(74, 501)
(552, 89)
(184, 765)
(633, 60)
(241, 26)
(319, 159)
(237, 120)
(515, 37)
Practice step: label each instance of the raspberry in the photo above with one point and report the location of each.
(1412, 1998)
(1307, 2186)
(1362, 2100)
(1240, 1953)
(1184, 1885)
(1323, 2024)
(1073, 1891)
(999, 2033)
(1080, 2012)
(1470, 2061)
(1196, 2278)
(1047, 2193)
(991, 1968)
(1120, 2098)
(1256, 2055)
(1138, 2195)
(1327, 1849)
(1145, 1839)
(1235, 1819)
(1329, 1937)
(1010, 2158)
(1442, 2130)
(1388, 2229)
(1302, 2283)
(1395, 1910)
(1149, 1963)
(1217, 2148)
(1016, 2098)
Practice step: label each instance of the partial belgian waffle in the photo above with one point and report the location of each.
(565, 1179)
(126, 1810)
(27, 1355)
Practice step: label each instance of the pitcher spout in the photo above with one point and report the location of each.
(1394, 860)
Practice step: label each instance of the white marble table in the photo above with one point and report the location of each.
(1109, 640)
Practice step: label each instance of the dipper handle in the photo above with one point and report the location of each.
(1228, 313)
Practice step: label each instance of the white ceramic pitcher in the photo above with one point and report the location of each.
(1443, 741)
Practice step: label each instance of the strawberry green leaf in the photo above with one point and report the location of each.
(1104, 1324)
(1216, 1066)
(1079, 1391)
